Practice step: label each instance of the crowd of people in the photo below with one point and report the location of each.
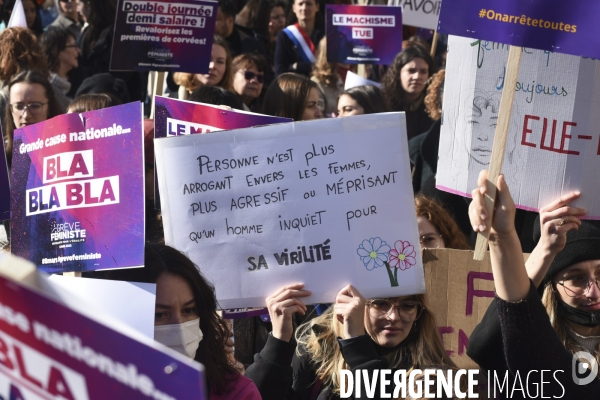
(545, 310)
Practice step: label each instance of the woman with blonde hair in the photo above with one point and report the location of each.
(326, 76)
(353, 334)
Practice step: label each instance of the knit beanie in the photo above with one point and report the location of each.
(104, 83)
(582, 245)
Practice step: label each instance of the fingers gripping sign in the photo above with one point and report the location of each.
(504, 215)
(558, 218)
(349, 310)
(282, 305)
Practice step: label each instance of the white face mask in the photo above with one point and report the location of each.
(183, 338)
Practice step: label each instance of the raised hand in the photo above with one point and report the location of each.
(349, 309)
(282, 305)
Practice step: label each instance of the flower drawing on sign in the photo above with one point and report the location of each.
(403, 255)
(373, 253)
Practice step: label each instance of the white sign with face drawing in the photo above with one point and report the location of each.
(553, 144)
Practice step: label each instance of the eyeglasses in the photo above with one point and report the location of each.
(249, 75)
(408, 310)
(578, 286)
(431, 240)
(33, 108)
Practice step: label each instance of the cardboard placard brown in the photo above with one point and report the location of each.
(459, 290)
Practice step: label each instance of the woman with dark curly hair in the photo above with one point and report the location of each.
(404, 87)
(62, 53)
(186, 319)
(437, 228)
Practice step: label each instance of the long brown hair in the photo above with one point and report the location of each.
(323, 71)
(319, 337)
(189, 81)
(433, 98)
(443, 222)
(287, 96)
(20, 51)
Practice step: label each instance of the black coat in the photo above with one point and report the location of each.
(286, 54)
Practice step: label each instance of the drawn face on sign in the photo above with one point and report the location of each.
(482, 120)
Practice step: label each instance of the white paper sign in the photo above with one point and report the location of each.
(421, 13)
(353, 80)
(325, 202)
(130, 302)
(553, 145)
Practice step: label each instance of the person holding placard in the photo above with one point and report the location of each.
(186, 319)
(31, 100)
(355, 333)
(365, 99)
(295, 46)
(560, 331)
(293, 96)
(404, 86)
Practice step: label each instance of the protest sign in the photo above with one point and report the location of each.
(363, 34)
(179, 117)
(77, 202)
(459, 291)
(552, 145)
(567, 27)
(51, 348)
(324, 202)
(4, 184)
(421, 13)
(163, 35)
(130, 302)
(354, 80)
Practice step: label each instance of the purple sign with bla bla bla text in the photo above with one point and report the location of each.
(363, 34)
(568, 27)
(163, 35)
(77, 199)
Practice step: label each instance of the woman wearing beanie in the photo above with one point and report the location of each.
(546, 333)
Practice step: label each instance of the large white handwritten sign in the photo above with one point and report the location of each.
(325, 202)
(553, 144)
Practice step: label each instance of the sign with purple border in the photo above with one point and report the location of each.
(569, 27)
(179, 117)
(4, 184)
(363, 34)
(54, 349)
(163, 35)
(77, 200)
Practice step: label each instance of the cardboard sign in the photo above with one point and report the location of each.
(52, 349)
(421, 13)
(553, 144)
(363, 34)
(459, 291)
(4, 184)
(325, 202)
(78, 191)
(568, 27)
(354, 80)
(163, 35)
(179, 117)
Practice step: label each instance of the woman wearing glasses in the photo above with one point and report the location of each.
(31, 100)
(355, 333)
(547, 333)
(248, 79)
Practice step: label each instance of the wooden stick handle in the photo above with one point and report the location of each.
(506, 103)
(434, 43)
(159, 82)
(75, 274)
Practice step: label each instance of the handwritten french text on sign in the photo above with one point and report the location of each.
(553, 144)
(50, 351)
(569, 27)
(163, 35)
(326, 202)
(78, 191)
(179, 117)
(421, 13)
(363, 34)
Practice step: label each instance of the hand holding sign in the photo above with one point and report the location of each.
(282, 305)
(504, 212)
(349, 310)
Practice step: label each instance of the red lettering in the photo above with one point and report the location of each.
(527, 131)
(74, 196)
(542, 145)
(57, 385)
(78, 165)
(50, 168)
(23, 369)
(565, 137)
(107, 192)
(463, 342)
(60, 173)
(88, 194)
(471, 292)
(4, 358)
(443, 330)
